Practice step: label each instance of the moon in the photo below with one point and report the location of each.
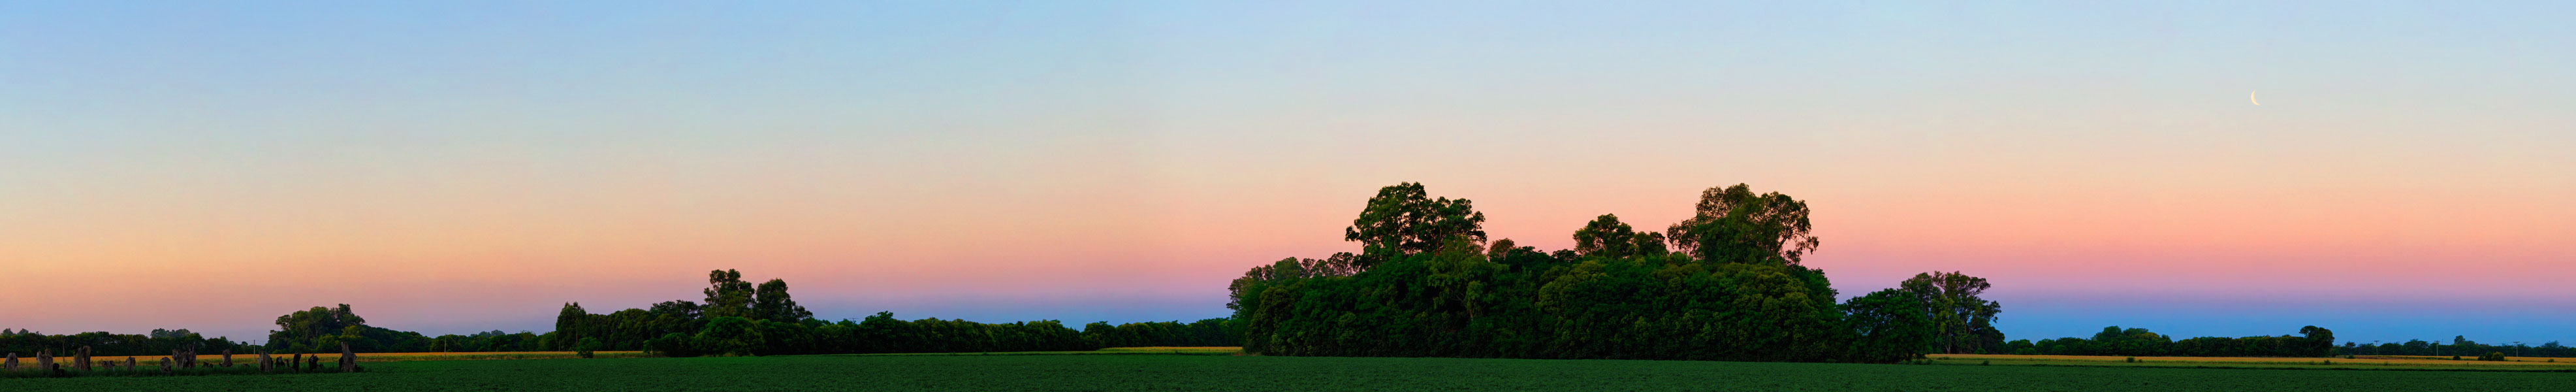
(2250, 97)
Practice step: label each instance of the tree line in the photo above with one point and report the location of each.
(1724, 284)
(2459, 346)
(158, 342)
(738, 317)
(2310, 342)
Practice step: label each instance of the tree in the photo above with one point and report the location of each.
(678, 308)
(1607, 237)
(728, 295)
(571, 320)
(1745, 227)
(1958, 315)
(1339, 264)
(1888, 326)
(771, 302)
(2320, 341)
(181, 333)
(304, 330)
(1403, 219)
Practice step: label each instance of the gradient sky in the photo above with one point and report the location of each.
(456, 166)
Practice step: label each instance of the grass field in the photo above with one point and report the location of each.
(1258, 373)
(1105, 351)
(2362, 362)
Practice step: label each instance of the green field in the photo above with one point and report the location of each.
(1257, 373)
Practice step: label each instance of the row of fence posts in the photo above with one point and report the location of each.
(181, 359)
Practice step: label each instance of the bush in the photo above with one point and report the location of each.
(673, 344)
(585, 347)
(729, 336)
(2492, 356)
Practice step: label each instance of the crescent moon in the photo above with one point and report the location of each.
(2250, 97)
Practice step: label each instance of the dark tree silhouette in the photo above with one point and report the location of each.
(1403, 220)
(1957, 314)
(1756, 227)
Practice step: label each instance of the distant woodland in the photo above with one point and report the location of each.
(1725, 283)
(737, 318)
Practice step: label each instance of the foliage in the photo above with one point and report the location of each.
(685, 329)
(771, 302)
(673, 344)
(1618, 295)
(2313, 342)
(316, 329)
(1404, 220)
(1340, 264)
(1963, 323)
(1887, 326)
(728, 295)
(1735, 225)
(2459, 344)
(160, 342)
(1607, 237)
(729, 335)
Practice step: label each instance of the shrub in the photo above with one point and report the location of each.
(2492, 356)
(2455, 357)
(729, 336)
(671, 345)
(585, 347)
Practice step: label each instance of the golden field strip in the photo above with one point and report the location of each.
(2358, 362)
(239, 358)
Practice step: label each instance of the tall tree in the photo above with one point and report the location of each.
(1605, 236)
(1741, 225)
(2320, 341)
(1403, 220)
(727, 295)
(1957, 314)
(569, 323)
(771, 302)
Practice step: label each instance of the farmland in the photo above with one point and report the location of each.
(1228, 372)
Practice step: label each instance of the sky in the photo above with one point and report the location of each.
(453, 167)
